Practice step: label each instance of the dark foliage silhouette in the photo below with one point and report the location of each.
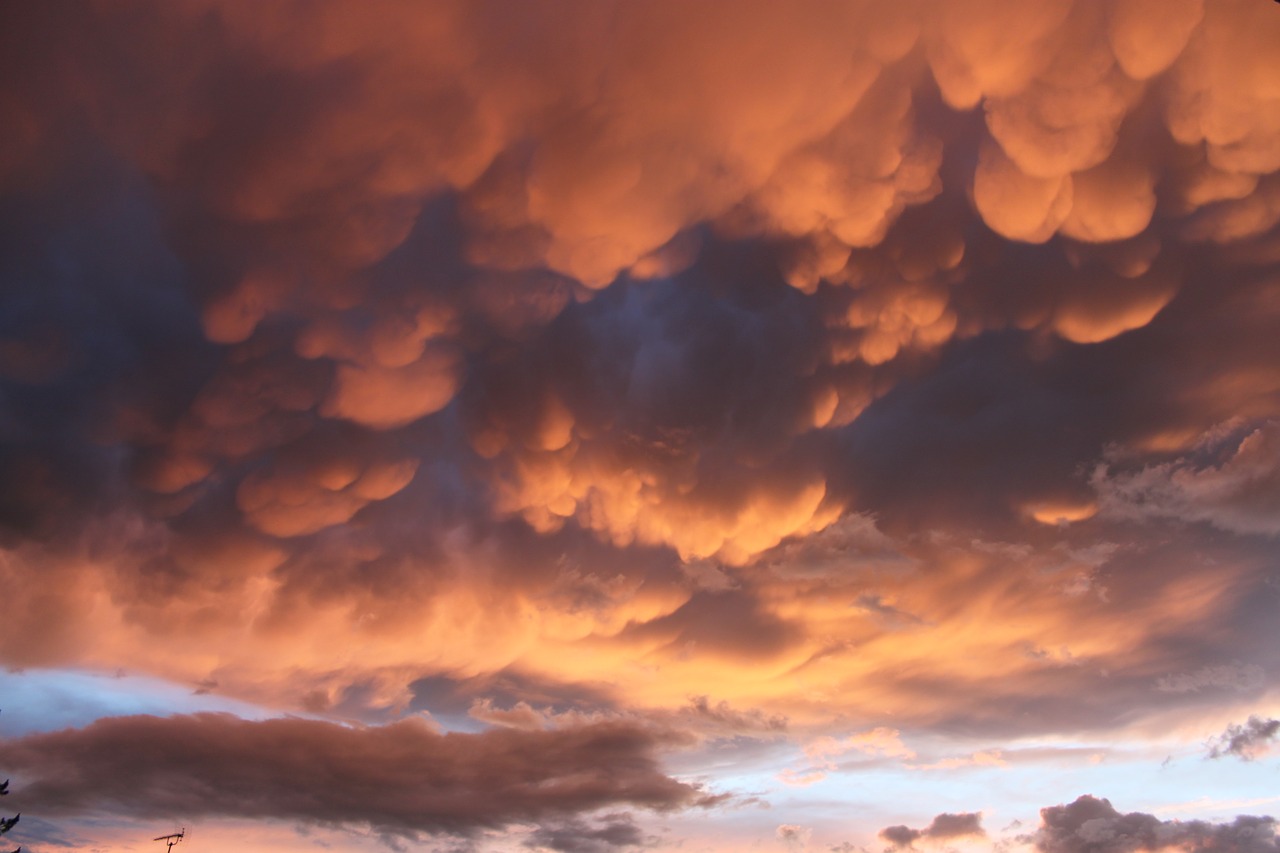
(8, 823)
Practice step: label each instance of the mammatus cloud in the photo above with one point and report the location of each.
(1248, 741)
(942, 827)
(1092, 825)
(313, 265)
(735, 367)
(401, 779)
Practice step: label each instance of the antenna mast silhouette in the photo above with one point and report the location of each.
(171, 840)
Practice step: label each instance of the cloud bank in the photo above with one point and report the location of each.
(758, 372)
(400, 779)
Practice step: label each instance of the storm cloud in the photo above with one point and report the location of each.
(766, 374)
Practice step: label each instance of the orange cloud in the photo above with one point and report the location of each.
(713, 364)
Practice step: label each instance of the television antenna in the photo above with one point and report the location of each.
(171, 840)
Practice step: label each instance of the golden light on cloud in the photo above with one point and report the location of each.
(784, 405)
(1062, 513)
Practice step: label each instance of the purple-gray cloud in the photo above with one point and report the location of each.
(1092, 825)
(942, 827)
(403, 778)
(1247, 741)
(413, 355)
(1240, 493)
(609, 833)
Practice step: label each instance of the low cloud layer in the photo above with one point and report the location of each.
(1092, 825)
(401, 779)
(612, 832)
(943, 826)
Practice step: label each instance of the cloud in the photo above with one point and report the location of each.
(985, 758)
(662, 439)
(612, 832)
(878, 741)
(402, 779)
(1240, 494)
(1237, 676)
(823, 752)
(1092, 825)
(943, 827)
(1247, 742)
(554, 366)
(796, 837)
(723, 718)
(955, 825)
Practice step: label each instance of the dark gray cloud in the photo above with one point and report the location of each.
(1247, 741)
(727, 623)
(610, 832)
(1239, 491)
(1092, 825)
(447, 338)
(722, 719)
(441, 694)
(942, 827)
(403, 778)
(901, 836)
(1235, 676)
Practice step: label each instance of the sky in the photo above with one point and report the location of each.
(575, 426)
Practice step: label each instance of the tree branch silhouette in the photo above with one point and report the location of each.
(8, 823)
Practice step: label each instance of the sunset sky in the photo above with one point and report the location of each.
(494, 426)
